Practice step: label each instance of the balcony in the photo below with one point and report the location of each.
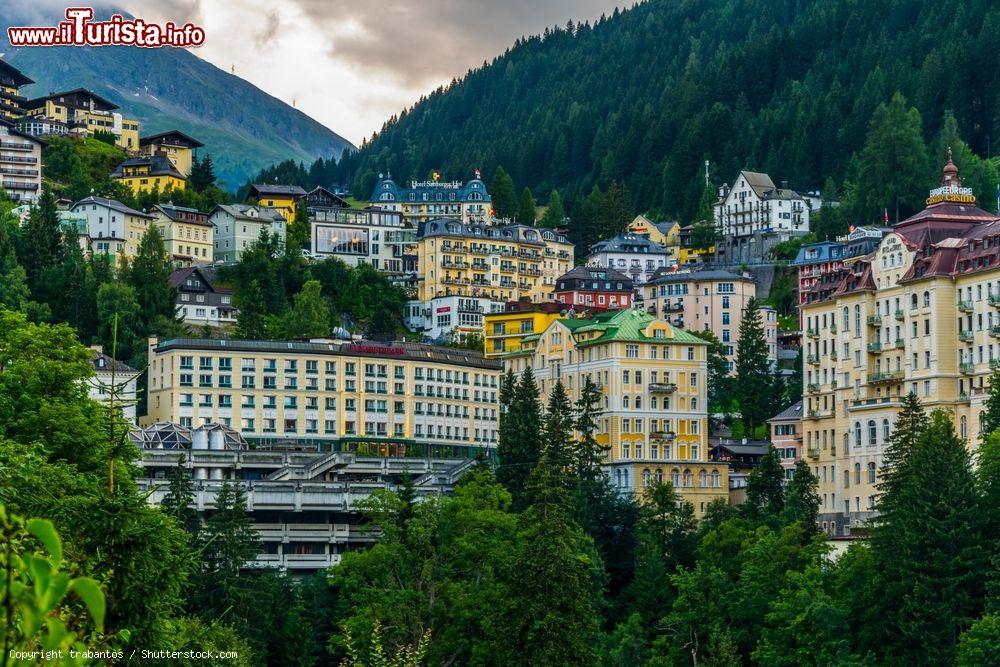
(812, 359)
(966, 336)
(16, 145)
(875, 348)
(967, 368)
(900, 343)
(900, 315)
(813, 388)
(662, 387)
(964, 397)
(965, 306)
(995, 330)
(812, 333)
(994, 364)
(883, 378)
(833, 328)
(994, 299)
(878, 402)
(874, 320)
(819, 414)
(663, 436)
(813, 452)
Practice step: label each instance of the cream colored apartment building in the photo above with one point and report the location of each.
(343, 395)
(921, 314)
(652, 377)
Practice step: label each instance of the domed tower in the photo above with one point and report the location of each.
(949, 175)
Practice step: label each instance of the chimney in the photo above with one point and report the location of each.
(97, 348)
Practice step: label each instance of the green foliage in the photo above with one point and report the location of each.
(77, 167)
(310, 315)
(765, 490)
(555, 213)
(802, 497)
(991, 410)
(980, 644)
(753, 386)
(526, 208)
(502, 195)
(719, 381)
(299, 236)
(34, 590)
(520, 443)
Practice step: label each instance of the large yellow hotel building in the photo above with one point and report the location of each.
(385, 399)
(652, 376)
(920, 314)
(468, 270)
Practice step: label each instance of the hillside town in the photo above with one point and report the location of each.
(293, 355)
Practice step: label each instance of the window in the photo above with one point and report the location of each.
(885, 430)
(857, 434)
(871, 473)
(872, 432)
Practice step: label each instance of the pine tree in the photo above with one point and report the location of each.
(618, 210)
(706, 205)
(802, 497)
(14, 292)
(40, 242)
(149, 275)
(719, 382)
(502, 195)
(928, 547)
(299, 230)
(526, 208)
(590, 454)
(766, 488)
(251, 322)
(310, 316)
(520, 443)
(179, 499)
(228, 543)
(991, 411)
(202, 174)
(894, 163)
(118, 299)
(554, 211)
(753, 382)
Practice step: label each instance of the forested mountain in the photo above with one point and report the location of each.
(646, 95)
(243, 128)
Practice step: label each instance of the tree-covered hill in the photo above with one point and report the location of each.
(646, 95)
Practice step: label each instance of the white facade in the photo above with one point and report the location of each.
(237, 226)
(113, 227)
(377, 238)
(109, 373)
(453, 315)
(754, 204)
(635, 256)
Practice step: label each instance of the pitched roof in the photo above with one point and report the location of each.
(668, 275)
(159, 165)
(628, 243)
(264, 189)
(178, 278)
(764, 187)
(792, 413)
(14, 73)
(584, 272)
(625, 325)
(239, 211)
(177, 135)
(104, 364)
(171, 212)
(113, 204)
(40, 101)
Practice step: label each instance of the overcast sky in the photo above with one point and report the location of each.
(351, 64)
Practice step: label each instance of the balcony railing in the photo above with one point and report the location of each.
(812, 333)
(966, 335)
(880, 378)
(995, 330)
(819, 414)
(967, 368)
(994, 364)
(900, 315)
(875, 348)
(662, 387)
(965, 306)
(833, 328)
(874, 320)
(833, 355)
(812, 359)
(663, 436)
(994, 299)
(813, 387)
(812, 452)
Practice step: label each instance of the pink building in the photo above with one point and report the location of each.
(786, 436)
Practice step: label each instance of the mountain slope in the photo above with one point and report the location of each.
(648, 94)
(243, 128)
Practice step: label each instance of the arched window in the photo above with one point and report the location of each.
(688, 478)
(694, 403)
(857, 320)
(625, 401)
(847, 479)
(645, 477)
(702, 478)
(885, 430)
(847, 319)
(871, 473)
(659, 475)
(857, 473)
(652, 402)
(857, 434)
(872, 432)
(715, 479)
(927, 299)
(638, 402)
(964, 430)
(675, 477)
(913, 301)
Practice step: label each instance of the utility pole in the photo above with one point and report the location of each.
(114, 389)
(706, 173)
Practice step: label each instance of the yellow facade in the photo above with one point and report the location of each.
(652, 378)
(187, 243)
(139, 180)
(500, 263)
(284, 204)
(87, 121)
(380, 395)
(505, 331)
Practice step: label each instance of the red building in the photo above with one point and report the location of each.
(595, 287)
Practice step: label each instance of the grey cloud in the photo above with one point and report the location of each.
(423, 40)
(267, 34)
